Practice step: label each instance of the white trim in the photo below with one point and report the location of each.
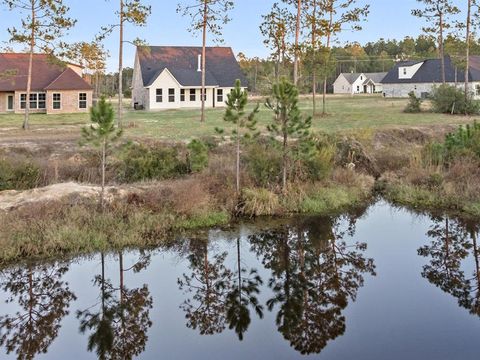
(61, 101)
(78, 101)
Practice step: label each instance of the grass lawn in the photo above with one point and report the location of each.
(345, 113)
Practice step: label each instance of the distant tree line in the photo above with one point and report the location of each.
(378, 56)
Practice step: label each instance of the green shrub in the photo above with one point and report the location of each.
(414, 103)
(18, 176)
(316, 157)
(197, 155)
(139, 162)
(448, 99)
(264, 162)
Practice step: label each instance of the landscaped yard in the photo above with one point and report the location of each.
(345, 113)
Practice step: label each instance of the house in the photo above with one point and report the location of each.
(358, 83)
(170, 77)
(56, 87)
(423, 75)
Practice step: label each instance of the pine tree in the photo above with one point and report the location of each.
(244, 124)
(437, 13)
(288, 120)
(41, 30)
(206, 16)
(101, 134)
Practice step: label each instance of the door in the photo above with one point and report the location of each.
(10, 103)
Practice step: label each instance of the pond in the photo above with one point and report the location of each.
(381, 283)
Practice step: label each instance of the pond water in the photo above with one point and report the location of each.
(379, 284)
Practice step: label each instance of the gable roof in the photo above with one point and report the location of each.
(46, 70)
(376, 78)
(351, 77)
(430, 72)
(222, 69)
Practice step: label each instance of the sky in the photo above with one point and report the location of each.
(389, 19)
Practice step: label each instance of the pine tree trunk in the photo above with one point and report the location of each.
(441, 47)
(314, 53)
(204, 52)
(285, 157)
(120, 262)
(26, 124)
(329, 35)
(297, 36)
(467, 50)
(120, 70)
(238, 161)
(104, 160)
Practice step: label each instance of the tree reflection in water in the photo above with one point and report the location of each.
(314, 274)
(44, 299)
(218, 296)
(118, 329)
(453, 245)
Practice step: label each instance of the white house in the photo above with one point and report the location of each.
(423, 75)
(170, 77)
(358, 83)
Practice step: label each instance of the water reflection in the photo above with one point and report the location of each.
(43, 300)
(314, 274)
(119, 325)
(217, 295)
(453, 244)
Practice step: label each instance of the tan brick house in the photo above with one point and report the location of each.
(57, 88)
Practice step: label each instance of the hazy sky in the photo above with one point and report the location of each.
(387, 19)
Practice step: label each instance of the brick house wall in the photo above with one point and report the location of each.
(69, 102)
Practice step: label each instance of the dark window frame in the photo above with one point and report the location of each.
(159, 95)
(171, 95)
(220, 95)
(56, 101)
(82, 100)
(182, 95)
(193, 95)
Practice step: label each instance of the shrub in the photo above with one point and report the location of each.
(197, 156)
(258, 202)
(264, 162)
(18, 176)
(448, 99)
(317, 158)
(414, 103)
(139, 162)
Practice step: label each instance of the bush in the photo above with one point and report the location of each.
(317, 158)
(264, 162)
(197, 156)
(414, 103)
(139, 162)
(259, 202)
(448, 99)
(18, 176)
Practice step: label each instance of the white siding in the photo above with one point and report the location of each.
(402, 90)
(357, 86)
(407, 72)
(342, 86)
(166, 81)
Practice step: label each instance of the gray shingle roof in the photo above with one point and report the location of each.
(375, 77)
(430, 72)
(182, 61)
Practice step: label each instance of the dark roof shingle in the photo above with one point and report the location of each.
(182, 61)
(430, 72)
(45, 70)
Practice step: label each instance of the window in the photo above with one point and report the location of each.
(42, 101)
(33, 101)
(23, 101)
(159, 95)
(220, 95)
(36, 101)
(361, 77)
(57, 101)
(171, 95)
(477, 90)
(404, 71)
(82, 100)
(358, 88)
(182, 95)
(193, 95)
